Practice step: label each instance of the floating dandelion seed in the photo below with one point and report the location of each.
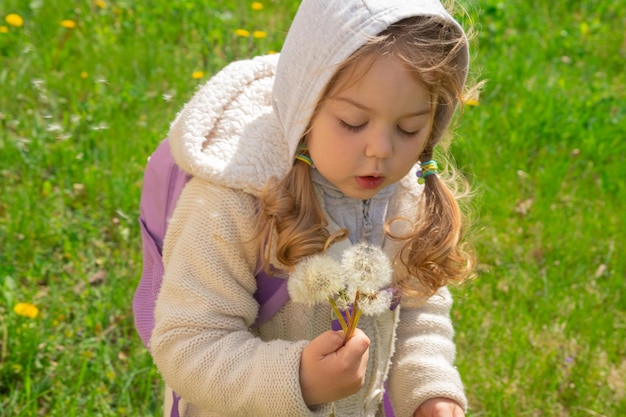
(257, 5)
(259, 34)
(242, 33)
(68, 24)
(14, 20)
(26, 310)
(196, 75)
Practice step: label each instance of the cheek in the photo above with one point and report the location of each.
(421, 145)
(413, 149)
(325, 141)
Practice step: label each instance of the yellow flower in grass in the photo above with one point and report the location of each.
(259, 34)
(257, 5)
(100, 3)
(242, 33)
(196, 75)
(4, 29)
(26, 310)
(84, 74)
(14, 20)
(471, 102)
(68, 24)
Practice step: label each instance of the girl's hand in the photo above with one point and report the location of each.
(439, 407)
(330, 370)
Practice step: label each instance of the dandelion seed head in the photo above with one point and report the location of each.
(314, 280)
(366, 268)
(376, 303)
(53, 127)
(38, 83)
(100, 126)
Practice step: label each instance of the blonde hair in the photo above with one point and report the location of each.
(292, 224)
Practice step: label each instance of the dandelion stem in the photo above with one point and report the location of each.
(354, 319)
(344, 326)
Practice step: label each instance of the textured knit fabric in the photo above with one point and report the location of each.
(240, 129)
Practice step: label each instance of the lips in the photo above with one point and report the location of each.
(370, 182)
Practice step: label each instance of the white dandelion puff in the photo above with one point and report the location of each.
(366, 268)
(375, 303)
(314, 280)
(53, 127)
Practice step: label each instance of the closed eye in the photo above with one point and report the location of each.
(407, 133)
(352, 128)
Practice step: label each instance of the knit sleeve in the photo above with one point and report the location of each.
(422, 366)
(201, 342)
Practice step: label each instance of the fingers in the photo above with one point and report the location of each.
(330, 370)
(326, 343)
(354, 354)
(359, 343)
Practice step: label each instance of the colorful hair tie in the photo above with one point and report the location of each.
(302, 157)
(426, 169)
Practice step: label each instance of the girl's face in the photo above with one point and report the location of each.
(368, 134)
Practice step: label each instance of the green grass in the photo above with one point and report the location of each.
(540, 332)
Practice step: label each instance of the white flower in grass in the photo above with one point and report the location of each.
(366, 268)
(314, 280)
(375, 303)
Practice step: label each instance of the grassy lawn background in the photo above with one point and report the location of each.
(540, 332)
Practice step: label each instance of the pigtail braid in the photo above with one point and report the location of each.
(435, 255)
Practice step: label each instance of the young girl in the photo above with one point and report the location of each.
(311, 152)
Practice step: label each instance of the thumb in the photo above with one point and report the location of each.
(359, 343)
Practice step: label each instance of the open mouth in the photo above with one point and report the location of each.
(370, 182)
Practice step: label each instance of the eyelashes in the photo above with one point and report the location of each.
(352, 128)
(361, 127)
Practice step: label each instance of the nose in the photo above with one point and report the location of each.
(379, 145)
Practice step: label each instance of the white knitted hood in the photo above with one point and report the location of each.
(244, 125)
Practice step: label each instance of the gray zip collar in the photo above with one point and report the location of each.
(364, 219)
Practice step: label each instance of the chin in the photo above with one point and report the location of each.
(362, 194)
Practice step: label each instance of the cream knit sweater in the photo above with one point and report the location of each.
(239, 130)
